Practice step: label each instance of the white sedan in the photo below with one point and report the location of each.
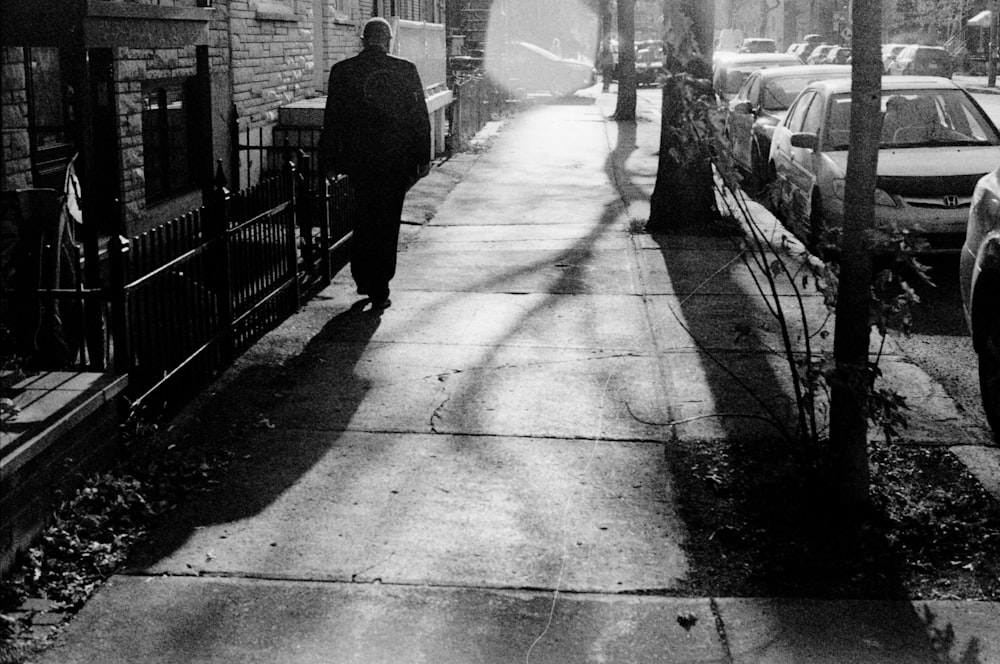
(936, 143)
(980, 282)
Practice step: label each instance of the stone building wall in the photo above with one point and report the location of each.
(272, 56)
(14, 101)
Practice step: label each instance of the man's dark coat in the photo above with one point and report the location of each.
(376, 120)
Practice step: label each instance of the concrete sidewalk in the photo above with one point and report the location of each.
(476, 474)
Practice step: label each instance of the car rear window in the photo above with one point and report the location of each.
(781, 92)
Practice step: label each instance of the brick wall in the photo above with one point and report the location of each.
(14, 102)
(272, 56)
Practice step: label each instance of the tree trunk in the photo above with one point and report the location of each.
(684, 193)
(851, 388)
(625, 109)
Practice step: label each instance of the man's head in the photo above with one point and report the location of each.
(377, 34)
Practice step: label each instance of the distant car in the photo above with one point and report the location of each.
(729, 72)
(889, 53)
(729, 40)
(917, 60)
(838, 55)
(758, 45)
(648, 62)
(980, 283)
(759, 106)
(801, 50)
(936, 143)
(818, 55)
(535, 69)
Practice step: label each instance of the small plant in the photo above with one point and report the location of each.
(636, 226)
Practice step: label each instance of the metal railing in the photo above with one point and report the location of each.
(185, 298)
(477, 101)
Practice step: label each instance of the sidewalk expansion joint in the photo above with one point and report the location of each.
(664, 593)
(478, 434)
(594, 357)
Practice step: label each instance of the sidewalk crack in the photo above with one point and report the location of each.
(436, 414)
(720, 629)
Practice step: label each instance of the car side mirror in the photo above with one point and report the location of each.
(806, 140)
(743, 107)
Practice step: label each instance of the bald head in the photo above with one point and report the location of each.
(377, 33)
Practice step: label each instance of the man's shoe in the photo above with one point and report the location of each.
(379, 298)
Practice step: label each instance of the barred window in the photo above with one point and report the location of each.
(168, 125)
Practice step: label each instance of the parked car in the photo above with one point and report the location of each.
(729, 40)
(648, 62)
(758, 45)
(801, 50)
(838, 55)
(729, 72)
(889, 53)
(980, 283)
(818, 54)
(759, 106)
(535, 69)
(936, 143)
(917, 60)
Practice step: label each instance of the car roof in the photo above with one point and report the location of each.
(842, 85)
(802, 70)
(924, 47)
(765, 58)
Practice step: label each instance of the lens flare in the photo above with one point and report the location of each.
(541, 47)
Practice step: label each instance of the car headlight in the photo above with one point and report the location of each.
(986, 208)
(882, 197)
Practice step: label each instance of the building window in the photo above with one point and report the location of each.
(49, 116)
(168, 124)
(343, 10)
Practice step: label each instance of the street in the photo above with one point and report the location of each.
(939, 340)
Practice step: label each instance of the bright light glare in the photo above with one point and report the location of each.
(534, 46)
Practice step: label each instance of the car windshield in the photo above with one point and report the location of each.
(916, 118)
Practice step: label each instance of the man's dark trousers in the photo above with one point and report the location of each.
(378, 206)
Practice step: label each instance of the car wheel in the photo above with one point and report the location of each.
(989, 371)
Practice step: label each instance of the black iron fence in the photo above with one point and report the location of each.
(477, 101)
(183, 299)
(201, 289)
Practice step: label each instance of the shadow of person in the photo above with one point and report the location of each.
(248, 421)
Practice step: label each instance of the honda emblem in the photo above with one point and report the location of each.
(951, 201)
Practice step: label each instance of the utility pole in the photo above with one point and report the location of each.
(991, 79)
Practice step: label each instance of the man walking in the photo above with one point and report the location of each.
(376, 130)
